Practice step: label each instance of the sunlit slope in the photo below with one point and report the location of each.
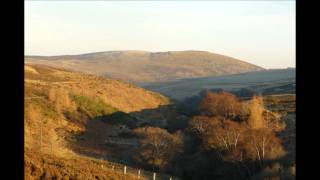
(145, 67)
(118, 94)
(58, 106)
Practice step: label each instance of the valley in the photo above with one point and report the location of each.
(152, 90)
(64, 137)
(82, 126)
(281, 81)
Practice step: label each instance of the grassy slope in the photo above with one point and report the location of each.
(78, 98)
(117, 94)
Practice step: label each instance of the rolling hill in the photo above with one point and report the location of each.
(146, 67)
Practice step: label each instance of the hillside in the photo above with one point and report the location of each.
(64, 134)
(265, 82)
(142, 66)
(118, 94)
(80, 126)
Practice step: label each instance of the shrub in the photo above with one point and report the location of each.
(222, 104)
(256, 119)
(92, 107)
(157, 146)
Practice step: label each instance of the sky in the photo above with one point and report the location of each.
(258, 32)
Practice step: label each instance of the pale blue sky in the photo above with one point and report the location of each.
(259, 32)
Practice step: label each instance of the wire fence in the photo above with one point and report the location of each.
(116, 165)
(106, 162)
(138, 173)
(125, 170)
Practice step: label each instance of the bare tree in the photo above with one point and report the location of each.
(256, 119)
(222, 104)
(274, 121)
(262, 144)
(200, 125)
(234, 141)
(157, 146)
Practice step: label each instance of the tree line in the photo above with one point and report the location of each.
(226, 139)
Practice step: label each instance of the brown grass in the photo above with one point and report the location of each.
(48, 96)
(46, 166)
(151, 67)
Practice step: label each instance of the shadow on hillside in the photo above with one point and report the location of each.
(110, 136)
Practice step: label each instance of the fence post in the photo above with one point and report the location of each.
(170, 178)
(139, 174)
(125, 170)
(154, 176)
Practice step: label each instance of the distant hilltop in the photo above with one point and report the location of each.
(146, 67)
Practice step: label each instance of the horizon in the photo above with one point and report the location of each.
(153, 52)
(260, 33)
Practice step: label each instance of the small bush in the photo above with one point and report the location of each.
(92, 107)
